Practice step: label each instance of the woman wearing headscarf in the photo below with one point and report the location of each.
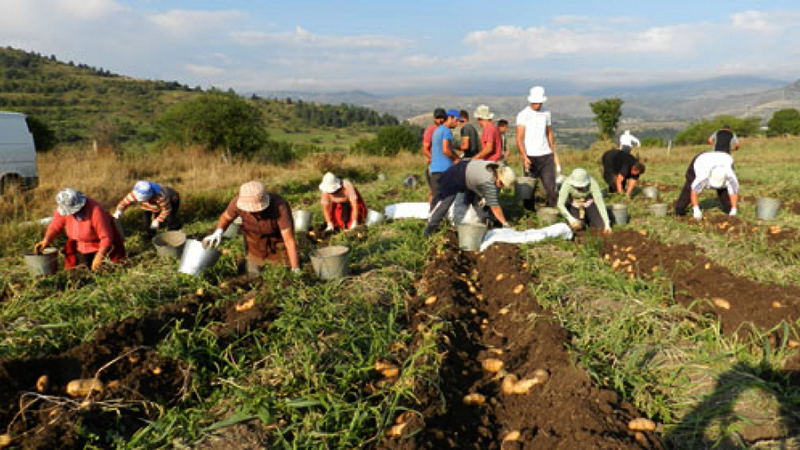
(267, 227)
(159, 205)
(91, 235)
(342, 204)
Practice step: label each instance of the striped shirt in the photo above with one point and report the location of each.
(160, 203)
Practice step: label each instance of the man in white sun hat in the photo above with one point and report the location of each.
(491, 141)
(580, 201)
(536, 146)
(159, 205)
(477, 180)
(342, 204)
(267, 227)
(709, 170)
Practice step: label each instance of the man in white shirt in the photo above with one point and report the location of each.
(627, 140)
(713, 170)
(536, 147)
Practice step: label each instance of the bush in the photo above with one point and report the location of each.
(389, 141)
(607, 112)
(785, 121)
(699, 132)
(649, 142)
(44, 138)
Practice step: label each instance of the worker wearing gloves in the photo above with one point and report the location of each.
(159, 206)
(478, 180)
(713, 170)
(267, 227)
(342, 204)
(621, 171)
(581, 202)
(91, 235)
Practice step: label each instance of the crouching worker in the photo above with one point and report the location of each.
(477, 179)
(713, 170)
(159, 206)
(267, 227)
(342, 204)
(621, 171)
(91, 235)
(581, 202)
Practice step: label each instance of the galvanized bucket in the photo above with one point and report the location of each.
(548, 215)
(330, 262)
(374, 218)
(170, 244)
(620, 213)
(767, 208)
(523, 188)
(302, 220)
(470, 236)
(196, 258)
(650, 192)
(44, 264)
(658, 209)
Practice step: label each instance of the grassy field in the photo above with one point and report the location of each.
(308, 381)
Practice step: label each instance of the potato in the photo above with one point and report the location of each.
(156, 370)
(403, 418)
(631, 256)
(387, 369)
(479, 297)
(777, 305)
(793, 344)
(541, 375)
(473, 311)
(472, 289)
(200, 291)
(508, 384)
(430, 300)
(512, 436)
(492, 365)
(396, 430)
(5, 440)
(708, 265)
(503, 311)
(721, 303)
(474, 399)
(643, 232)
(246, 305)
(42, 383)
(500, 277)
(616, 263)
(606, 256)
(518, 289)
(83, 387)
(523, 386)
(641, 424)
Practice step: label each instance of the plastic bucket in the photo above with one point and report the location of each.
(330, 262)
(44, 264)
(650, 192)
(170, 244)
(548, 215)
(302, 220)
(234, 229)
(470, 236)
(523, 188)
(195, 258)
(620, 213)
(767, 208)
(374, 218)
(658, 209)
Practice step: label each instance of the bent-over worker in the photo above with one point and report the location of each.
(580, 200)
(159, 206)
(621, 171)
(713, 170)
(342, 204)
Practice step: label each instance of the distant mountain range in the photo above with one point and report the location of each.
(684, 100)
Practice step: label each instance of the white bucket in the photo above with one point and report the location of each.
(302, 220)
(374, 218)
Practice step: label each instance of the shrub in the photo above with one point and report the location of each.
(785, 121)
(699, 132)
(654, 142)
(389, 141)
(44, 138)
(607, 112)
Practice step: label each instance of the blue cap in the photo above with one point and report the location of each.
(452, 113)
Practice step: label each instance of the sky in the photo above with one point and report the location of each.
(412, 47)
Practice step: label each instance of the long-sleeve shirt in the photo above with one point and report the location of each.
(703, 165)
(627, 140)
(160, 202)
(90, 227)
(569, 192)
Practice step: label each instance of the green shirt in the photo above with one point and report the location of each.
(568, 191)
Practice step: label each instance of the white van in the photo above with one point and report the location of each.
(17, 154)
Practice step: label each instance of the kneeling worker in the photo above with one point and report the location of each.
(477, 179)
(342, 204)
(580, 196)
(159, 206)
(621, 171)
(713, 170)
(267, 227)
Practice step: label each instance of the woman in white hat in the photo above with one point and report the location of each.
(159, 205)
(342, 204)
(580, 201)
(91, 235)
(267, 227)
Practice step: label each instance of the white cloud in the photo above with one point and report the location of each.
(85, 9)
(752, 21)
(204, 71)
(186, 23)
(304, 38)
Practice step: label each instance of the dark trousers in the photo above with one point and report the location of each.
(84, 259)
(443, 204)
(685, 197)
(433, 181)
(172, 221)
(609, 174)
(591, 216)
(626, 148)
(543, 168)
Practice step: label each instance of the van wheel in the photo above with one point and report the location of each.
(10, 185)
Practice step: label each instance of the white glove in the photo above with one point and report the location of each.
(154, 225)
(733, 211)
(329, 227)
(295, 270)
(354, 225)
(696, 213)
(117, 214)
(213, 240)
(558, 169)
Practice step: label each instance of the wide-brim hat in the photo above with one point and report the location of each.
(717, 177)
(253, 197)
(536, 95)
(579, 178)
(483, 112)
(330, 183)
(69, 201)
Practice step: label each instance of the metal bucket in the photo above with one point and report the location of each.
(302, 220)
(195, 258)
(330, 262)
(620, 213)
(658, 209)
(523, 188)
(170, 244)
(234, 229)
(470, 236)
(767, 208)
(548, 215)
(44, 264)
(650, 192)
(374, 218)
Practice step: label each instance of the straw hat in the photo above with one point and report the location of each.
(253, 197)
(142, 191)
(330, 183)
(70, 201)
(579, 178)
(483, 112)
(536, 95)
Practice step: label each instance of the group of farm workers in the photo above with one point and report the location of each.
(476, 175)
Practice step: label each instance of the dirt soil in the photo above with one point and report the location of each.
(481, 308)
(136, 380)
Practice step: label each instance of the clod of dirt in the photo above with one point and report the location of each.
(641, 424)
(492, 365)
(474, 399)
